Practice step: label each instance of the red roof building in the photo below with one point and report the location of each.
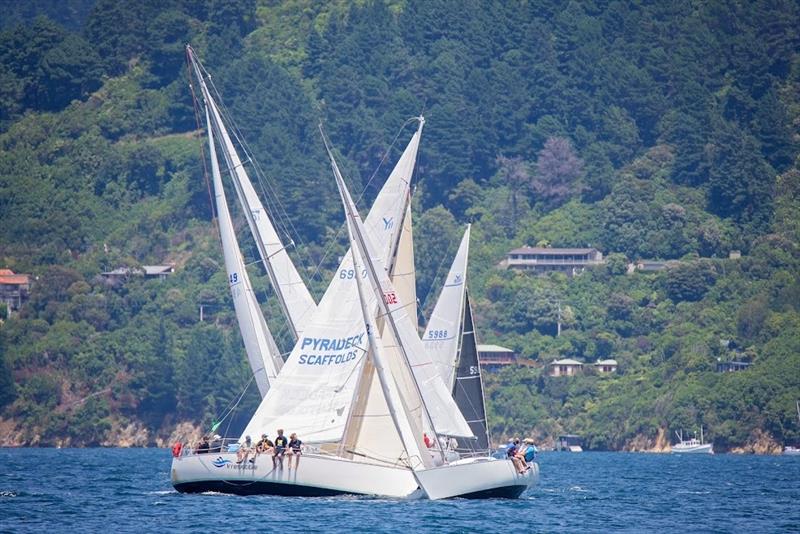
(14, 288)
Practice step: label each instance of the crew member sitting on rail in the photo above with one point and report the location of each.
(280, 449)
(264, 445)
(244, 450)
(294, 450)
(203, 447)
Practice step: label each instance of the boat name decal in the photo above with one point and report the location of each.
(327, 359)
(326, 344)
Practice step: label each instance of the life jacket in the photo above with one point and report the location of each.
(176, 449)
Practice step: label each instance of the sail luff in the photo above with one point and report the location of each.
(255, 333)
(402, 269)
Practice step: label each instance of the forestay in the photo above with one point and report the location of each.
(314, 392)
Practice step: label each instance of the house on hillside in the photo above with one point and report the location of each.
(565, 367)
(544, 259)
(493, 357)
(121, 274)
(731, 366)
(14, 289)
(651, 266)
(606, 366)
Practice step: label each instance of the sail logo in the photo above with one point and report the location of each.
(390, 297)
(220, 462)
(388, 224)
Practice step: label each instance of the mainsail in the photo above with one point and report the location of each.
(258, 342)
(443, 414)
(292, 293)
(314, 392)
(468, 386)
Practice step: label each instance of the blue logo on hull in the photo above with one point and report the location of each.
(220, 462)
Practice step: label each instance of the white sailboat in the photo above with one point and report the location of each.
(450, 340)
(342, 382)
(477, 477)
(693, 445)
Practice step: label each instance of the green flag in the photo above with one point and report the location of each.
(215, 425)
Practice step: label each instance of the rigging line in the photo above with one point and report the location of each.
(195, 106)
(278, 211)
(273, 200)
(436, 278)
(229, 409)
(342, 227)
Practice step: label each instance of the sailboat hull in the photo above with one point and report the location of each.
(477, 478)
(316, 476)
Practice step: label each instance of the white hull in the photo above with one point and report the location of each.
(705, 448)
(477, 478)
(791, 451)
(316, 476)
(319, 476)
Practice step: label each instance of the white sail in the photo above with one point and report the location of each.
(443, 332)
(293, 295)
(314, 392)
(404, 276)
(439, 404)
(258, 341)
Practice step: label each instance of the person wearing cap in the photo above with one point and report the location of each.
(244, 451)
(216, 443)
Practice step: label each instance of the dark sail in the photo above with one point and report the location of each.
(468, 386)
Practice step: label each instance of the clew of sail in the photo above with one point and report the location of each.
(442, 335)
(290, 289)
(315, 390)
(258, 341)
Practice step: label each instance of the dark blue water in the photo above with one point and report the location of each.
(128, 490)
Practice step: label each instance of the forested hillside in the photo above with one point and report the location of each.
(648, 130)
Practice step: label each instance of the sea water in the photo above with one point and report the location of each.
(128, 490)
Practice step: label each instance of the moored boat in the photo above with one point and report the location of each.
(693, 445)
